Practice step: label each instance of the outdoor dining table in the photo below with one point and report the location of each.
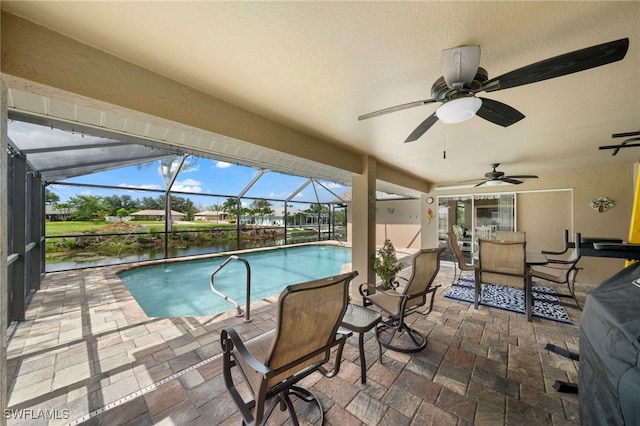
(532, 258)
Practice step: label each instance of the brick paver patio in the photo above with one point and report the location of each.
(87, 354)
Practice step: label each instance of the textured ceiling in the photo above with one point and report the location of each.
(317, 66)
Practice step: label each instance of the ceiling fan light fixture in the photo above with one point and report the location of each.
(459, 110)
(495, 183)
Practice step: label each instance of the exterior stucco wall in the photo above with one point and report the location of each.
(398, 221)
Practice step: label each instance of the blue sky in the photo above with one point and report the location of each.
(203, 176)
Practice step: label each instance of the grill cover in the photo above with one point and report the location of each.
(609, 369)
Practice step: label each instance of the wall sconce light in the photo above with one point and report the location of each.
(601, 204)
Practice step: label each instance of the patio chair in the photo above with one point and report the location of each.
(561, 271)
(503, 263)
(307, 321)
(393, 332)
(484, 233)
(460, 263)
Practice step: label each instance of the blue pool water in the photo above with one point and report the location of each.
(181, 289)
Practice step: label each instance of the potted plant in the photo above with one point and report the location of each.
(386, 264)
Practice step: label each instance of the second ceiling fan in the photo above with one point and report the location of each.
(495, 177)
(462, 77)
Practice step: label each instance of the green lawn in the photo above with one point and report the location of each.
(77, 227)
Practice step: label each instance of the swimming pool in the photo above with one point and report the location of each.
(181, 289)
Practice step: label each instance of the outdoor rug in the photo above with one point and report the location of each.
(545, 301)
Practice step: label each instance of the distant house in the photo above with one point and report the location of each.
(156, 215)
(52, 212)
(212, 216)
(274, 219)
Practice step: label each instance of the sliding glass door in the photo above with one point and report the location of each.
(472, 217)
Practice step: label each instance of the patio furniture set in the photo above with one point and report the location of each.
(314, 319)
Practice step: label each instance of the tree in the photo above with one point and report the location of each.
(215, 207)
(63, 210)
(50, 197)
(149, 203)
(116, 202)
(169, 167)
(340, 217)
(230, 206)
(181, 204)
(87, 207)
(122, 212)
(260, 207)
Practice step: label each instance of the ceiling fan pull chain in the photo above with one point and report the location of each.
(444, 151)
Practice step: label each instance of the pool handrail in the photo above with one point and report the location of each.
(233, 302)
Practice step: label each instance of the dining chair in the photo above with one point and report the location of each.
(398, 304)
(484, 233)
(458, 230)
(503, 263)
(561, 271)
(272, 364)
(511, 235)
(460, 263)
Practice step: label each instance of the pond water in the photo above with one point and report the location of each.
(89, 260)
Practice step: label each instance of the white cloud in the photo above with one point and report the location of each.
(187, 185)
(223, 164)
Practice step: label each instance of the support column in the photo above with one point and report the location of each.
(20, 286)
(35, 230)
(363, 219)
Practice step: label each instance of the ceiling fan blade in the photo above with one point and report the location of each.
(396, 108)
(558, 66)
(422, 128)
(481, 183)
(499, 113)
(459, 65)
(521, 177)
(511, 181)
